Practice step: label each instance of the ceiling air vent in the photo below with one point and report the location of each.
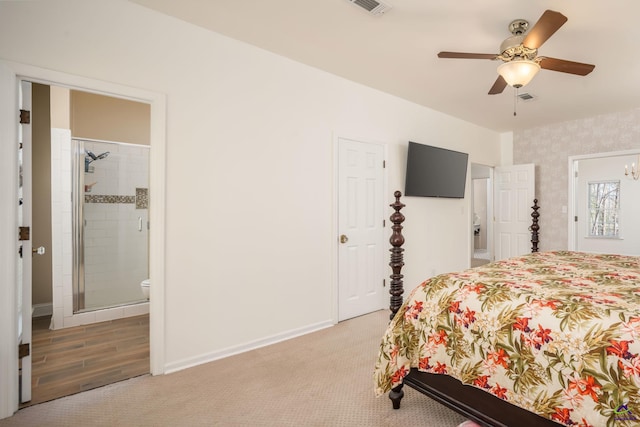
(526, 97)
(372, 6)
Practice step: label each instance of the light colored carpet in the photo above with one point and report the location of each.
(477, 262)
(320, 379)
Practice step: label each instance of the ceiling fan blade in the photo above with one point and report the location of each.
(461, 55)
(549, 23)
(498, 86)
(565, 66)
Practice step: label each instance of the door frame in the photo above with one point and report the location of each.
(25, 261)
(10, 74)
(490, 208)
(335, 227)
(572, 168)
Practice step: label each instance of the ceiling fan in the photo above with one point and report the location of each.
(519, 53)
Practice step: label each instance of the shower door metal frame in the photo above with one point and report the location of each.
(77, 222)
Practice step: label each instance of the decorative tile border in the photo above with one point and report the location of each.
(108, 199)
(142, 198)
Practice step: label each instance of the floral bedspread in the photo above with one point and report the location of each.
(556, 333)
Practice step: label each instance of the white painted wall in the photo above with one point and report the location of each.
(506, 148)
(250, 248)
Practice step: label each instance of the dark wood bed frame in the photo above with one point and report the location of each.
(473, 403)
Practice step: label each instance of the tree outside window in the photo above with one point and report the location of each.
(604, 209)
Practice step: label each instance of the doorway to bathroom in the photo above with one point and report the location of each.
(91, 317)
(482, 205)
(11, 76)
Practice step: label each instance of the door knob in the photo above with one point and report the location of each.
(39, 251)
(344, 239)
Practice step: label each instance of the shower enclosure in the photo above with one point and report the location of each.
(110, 223)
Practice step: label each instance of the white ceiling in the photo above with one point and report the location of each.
(396, 52)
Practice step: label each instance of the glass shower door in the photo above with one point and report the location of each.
(112, 238)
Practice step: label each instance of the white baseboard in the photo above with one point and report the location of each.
(41, 310)
(221, 354)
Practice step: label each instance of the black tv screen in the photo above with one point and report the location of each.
(435, 172)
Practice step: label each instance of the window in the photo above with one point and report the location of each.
(604, 209)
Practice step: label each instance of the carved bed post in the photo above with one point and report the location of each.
(534, 226)
(396, 289)
(397, 240)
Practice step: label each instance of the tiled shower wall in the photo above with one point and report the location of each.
(550, 147)
(62, 253)
(116, 216)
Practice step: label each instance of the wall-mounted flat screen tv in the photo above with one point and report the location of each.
(435, 172)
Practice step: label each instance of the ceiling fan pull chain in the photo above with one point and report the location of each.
(515, 100)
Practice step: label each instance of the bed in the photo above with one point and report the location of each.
(544, 339)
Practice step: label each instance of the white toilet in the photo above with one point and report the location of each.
(145, 288)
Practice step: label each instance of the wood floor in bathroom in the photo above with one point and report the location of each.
(77, 359)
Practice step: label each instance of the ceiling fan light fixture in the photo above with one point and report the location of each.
(518, 73)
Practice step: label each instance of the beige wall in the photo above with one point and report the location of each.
(109, 119)
(41, 175)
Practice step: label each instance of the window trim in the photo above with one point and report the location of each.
(589, 224)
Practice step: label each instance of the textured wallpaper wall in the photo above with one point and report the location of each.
(550, 147)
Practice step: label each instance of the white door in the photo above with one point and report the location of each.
(360, 228)
(514, 191)
(24, 261)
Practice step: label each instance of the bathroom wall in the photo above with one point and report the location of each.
(41, 199)
(109, 119)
